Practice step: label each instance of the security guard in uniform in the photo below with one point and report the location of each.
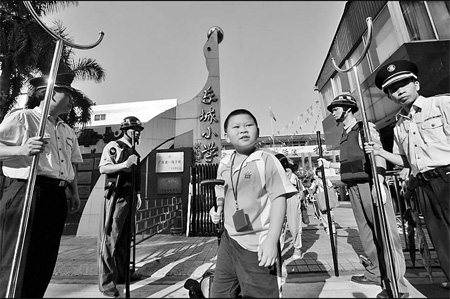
(355, 170)
(58, 152)
(116, 162)
(421, 143)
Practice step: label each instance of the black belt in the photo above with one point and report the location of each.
(47, 181)
(433, 173)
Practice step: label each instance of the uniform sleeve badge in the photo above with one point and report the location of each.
(113, 151)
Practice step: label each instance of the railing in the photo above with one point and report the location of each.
(202, 200)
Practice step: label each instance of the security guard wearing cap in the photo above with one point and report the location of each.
(421, 143)
(58, 151)
(355, 170)
(116, 162)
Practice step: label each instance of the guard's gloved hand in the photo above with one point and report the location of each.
(132, 160)
(382, 190)
(215, 215)
(322, 161)
(139, 201)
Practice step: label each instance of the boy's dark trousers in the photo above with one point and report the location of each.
(237, 267)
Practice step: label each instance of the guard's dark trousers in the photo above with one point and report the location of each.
(45, 230)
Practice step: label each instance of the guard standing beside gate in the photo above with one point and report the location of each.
(421, 142)
(356, 173)
(58, 152)
(117, 160)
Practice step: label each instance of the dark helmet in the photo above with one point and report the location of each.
(285, 162)
(343, 100)
(131, 122)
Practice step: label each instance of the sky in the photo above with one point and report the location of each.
(271, 54)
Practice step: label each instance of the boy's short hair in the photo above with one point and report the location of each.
(238, 112)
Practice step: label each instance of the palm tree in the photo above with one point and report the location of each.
(26, 51)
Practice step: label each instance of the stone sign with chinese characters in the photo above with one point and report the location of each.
(207, 143)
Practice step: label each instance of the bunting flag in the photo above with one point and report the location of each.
(271, 114)
(305, 117)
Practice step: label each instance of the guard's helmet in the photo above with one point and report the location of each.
(343, 100)
(285, 161)
(131, 122)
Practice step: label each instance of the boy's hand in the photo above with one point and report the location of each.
(267, 253)
(215, 216)
(33, 146)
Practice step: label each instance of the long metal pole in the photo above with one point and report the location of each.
(131, 217)
(327, 203)
(379, 211)
(26, 211)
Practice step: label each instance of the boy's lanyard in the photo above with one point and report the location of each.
(237, 180)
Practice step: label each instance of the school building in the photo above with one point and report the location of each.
(411, 30)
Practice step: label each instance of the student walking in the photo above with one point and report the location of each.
(253, 201)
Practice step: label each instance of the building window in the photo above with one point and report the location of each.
(98, 117)
(440, 14)
(417, 20)
(342, 84)
(384, 39)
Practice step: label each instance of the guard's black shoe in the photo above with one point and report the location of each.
(364, 280)
(133, 277)
(112, 292)
(384, 294)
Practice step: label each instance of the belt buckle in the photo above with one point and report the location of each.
(421, 177)
(62, 184)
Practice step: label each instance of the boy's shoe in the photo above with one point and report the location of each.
(112, 292)
(297, 254)
(384, 294)
(445, 285)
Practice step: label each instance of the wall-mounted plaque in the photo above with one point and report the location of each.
(84, 191)
(87, 164)
(169, 185)
(169, 162)
(84, 177)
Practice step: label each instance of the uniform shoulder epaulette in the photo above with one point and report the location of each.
(14, 110)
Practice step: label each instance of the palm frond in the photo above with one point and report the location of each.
(47, 7)
(88, 69)
(80, 115)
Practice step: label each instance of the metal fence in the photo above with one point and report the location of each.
(202, 200)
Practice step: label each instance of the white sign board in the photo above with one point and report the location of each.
(169, 162)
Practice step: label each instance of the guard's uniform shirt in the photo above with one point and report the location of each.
(61, 150)
(117, 152)
(424, 134)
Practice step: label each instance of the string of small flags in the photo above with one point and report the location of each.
(304, 117)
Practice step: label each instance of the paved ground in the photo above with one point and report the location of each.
(166, 261)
